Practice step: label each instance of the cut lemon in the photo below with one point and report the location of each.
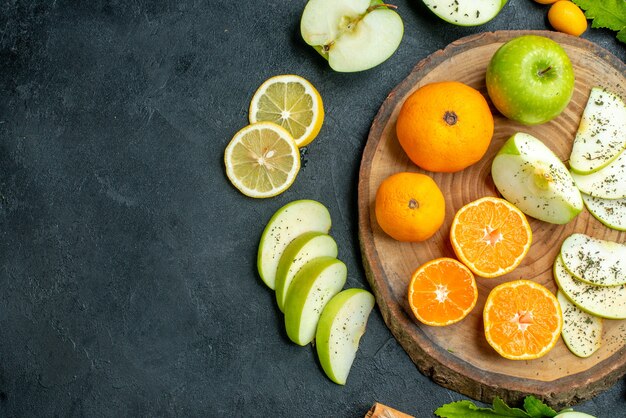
(262, 160)
(291, 102)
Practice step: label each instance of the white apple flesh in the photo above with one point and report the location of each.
(311, 289)
(529, 175)
(286, 224)
(601, 134)
(466, 12)
(582, 332)
(353, 35)
(607, 183)
(300, 251)
(594, 261)
(339, 332)
(603, 301)
(611, 212)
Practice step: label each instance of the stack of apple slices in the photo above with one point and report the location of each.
(591, 276)
(598, 159)
(298, 259)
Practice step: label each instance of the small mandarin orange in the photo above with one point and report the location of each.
(567, 17)
(409, 206)
(445, 126)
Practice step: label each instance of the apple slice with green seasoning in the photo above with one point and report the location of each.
(301, 250)
(600, 137)
(466, 12)
(611, 212)
(286, 224)
(313, 286)
(603, 301)
(607, 183)
(594, 261)
(582, 332)
(529, 175)
(339, 331)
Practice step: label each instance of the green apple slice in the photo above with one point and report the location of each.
(607, 183)
(286, 224)
(301, 250)
(582, 332)
(573, 414)
(466, 12)
(611, 212)
(353, 35)
(313, 286)
(529, 175)
(594, 261)
(600, 137)
(603, 301)
(339, 331)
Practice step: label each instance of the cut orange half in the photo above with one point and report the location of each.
(490, 236)
(442, 291)
(522, 319)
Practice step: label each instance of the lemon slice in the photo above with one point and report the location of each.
(291, 102)
(262, 160)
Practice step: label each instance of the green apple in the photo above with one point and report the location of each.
(339, 331)
(313, 286)
(582, 332)
(600, 136)
(466, 12)
(603, 301)
(529, 175)
(353, 35)
(530, 79)
(594, 261)
(573, 414)
(609, 182)
(286, 224)
(611, 212)
(301, 250)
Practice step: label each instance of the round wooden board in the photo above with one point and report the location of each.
(458, 356)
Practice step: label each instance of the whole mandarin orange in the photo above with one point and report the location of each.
(567, 17)
(445, 126)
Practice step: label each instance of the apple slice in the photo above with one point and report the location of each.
(529, 175)
(582, 332)
(466, 12)
(608, 183)
(313, 286)
(611, 212)
(287, 223)
(594, 261)
(600, 137)
(339, 331)
(301, 250)
(353, 35)
(603, 301)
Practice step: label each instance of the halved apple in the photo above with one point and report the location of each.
(300, 251)
(466, 12)
(313, 286)
(600, 137)
(353, 35)
(604, 301)
(582, 332)
(594, 261)
(286, 224)
(611, 212)
(529, 175)
(339, 331)
(609, 182)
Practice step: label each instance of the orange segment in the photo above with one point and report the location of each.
(522, 319)
(442, 292)
(490, 236)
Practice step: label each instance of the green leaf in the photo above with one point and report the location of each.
(465, 409)
(503, 409)
(609, 14)
(537, 409)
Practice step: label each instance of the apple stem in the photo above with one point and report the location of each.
(378, 6)
(542, 72)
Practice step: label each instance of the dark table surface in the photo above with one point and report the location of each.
(128, 282)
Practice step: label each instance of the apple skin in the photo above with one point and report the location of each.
(530, 79)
